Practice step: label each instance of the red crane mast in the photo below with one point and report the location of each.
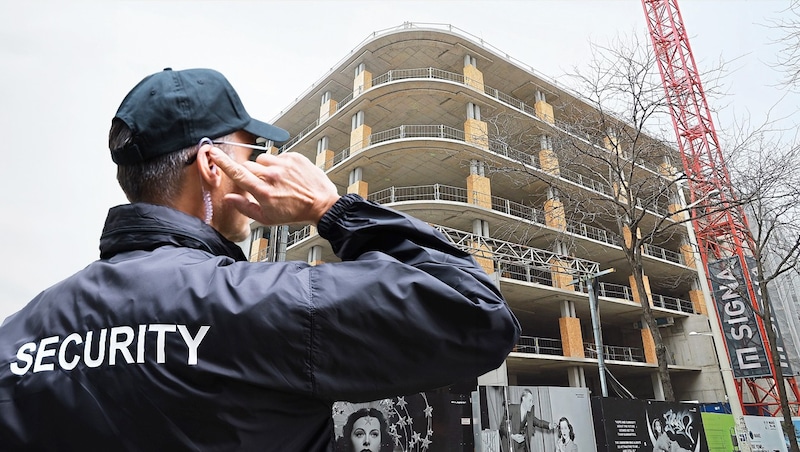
(723, 236)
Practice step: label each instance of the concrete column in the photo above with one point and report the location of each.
(497, 377)
(570, 328)
(677, 215)
(315, 255)
(698, 301)
(635, 292)
(649, 346)
(257, 248)
(554, 215)
(472, 76)
(325, 156)
(542, 109)
(362, 80)
(571, 337)
(359, 136)
(480, 228)
(658, 387)
(667, 169)
(577, 377)
(561, 274)
(479, 187)
(687, 251)
(548, 160)
(611, 142)
(476, 132)
(620, 192)
(270, 145)
(675, 207)
(327, 107)
(356, 183)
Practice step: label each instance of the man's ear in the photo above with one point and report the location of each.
(209, 172)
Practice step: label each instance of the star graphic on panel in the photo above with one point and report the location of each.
(428, 411)
(426, 442)
(401, 402)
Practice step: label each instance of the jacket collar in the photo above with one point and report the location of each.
(141, 226)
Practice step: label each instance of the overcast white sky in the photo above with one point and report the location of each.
(67, 65)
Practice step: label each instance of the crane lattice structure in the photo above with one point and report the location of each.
(722, 235)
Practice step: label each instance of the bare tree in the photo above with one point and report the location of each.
(609, 166)
(788, 56)
(621, 151)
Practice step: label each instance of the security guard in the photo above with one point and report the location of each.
(172, 340)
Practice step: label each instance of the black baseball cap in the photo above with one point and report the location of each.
(172, 110)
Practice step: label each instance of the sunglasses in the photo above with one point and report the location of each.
(257, 148)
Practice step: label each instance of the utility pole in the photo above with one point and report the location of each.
(593, 287)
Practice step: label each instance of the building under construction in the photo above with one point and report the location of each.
(435, 122)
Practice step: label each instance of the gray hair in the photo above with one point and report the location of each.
(155, 181)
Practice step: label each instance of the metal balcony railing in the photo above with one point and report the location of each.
(594, 233)
(432, 73)
(516, 209)
(298, 235)
(507, 151)
(676, 304)
(625, 293)
(513, 268)
(446, 132)
(548, 346)
(663, 254)
(539, 346)
(439, 192)
(436, 192)
(420, 73)
(616, 353)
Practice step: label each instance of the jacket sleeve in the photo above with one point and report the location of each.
(404, 312)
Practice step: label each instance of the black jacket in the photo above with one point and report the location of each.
(173, 341)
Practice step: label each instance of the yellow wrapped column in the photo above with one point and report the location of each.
(687, 250)
(359, 138)
(571, 337)
(362, 82)
(315, 255)
(473, 77)
(554, 215)
(325, 159)
(479, 190)
(327, 109)
(549, 162)
(542, 109)
(635, 292)
(359, 187)
(561, 274)
(649, 346)
(257, 249)
(483, 255)
(476, 132)
(698, 301)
